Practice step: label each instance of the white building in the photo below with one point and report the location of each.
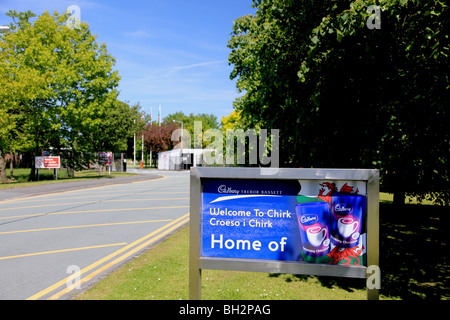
(171, 160)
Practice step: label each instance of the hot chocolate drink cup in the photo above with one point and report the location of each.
(347, 226)
(316, 235)
(347, 216)
(313, 226)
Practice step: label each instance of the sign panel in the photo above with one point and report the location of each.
(299, 221)
(105, 158)
(49, 162)
(315, 221)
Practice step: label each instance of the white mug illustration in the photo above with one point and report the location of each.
(316, 235)
(347, 226)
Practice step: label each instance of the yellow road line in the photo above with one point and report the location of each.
(93, 202)
(85, 226)
(117, 260)
(108, 257)
(97, 196)
(63, 250)
(140, 189)
(163, 192)
(89, 211)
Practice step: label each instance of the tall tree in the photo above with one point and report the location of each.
(395, 80)
(73, 82)
(345, 95)
(119, 122)
(19, 83)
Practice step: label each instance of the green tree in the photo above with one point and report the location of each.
(232, 121)
(118, 123)
(66, 80)
(19, 83)
(345, 95)
(208, 121)
(395, 81)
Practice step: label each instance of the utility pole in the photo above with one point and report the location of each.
(181, 149)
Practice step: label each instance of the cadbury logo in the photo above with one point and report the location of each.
(308, 219)
(224, 189)
(342, 208)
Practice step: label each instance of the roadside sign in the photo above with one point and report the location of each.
(49, 162)
(299, 221)
(105, 157)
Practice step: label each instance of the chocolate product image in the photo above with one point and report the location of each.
(313, 220)
(347, 213)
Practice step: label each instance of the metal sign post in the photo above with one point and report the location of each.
(297, 221)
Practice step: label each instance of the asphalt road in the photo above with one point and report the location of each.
(55, 243)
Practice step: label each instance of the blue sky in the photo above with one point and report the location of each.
(171, 53)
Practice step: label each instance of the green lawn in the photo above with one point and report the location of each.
(46, 176)
(413, 261)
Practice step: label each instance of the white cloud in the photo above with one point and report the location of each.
(139, 34)
(195, 65)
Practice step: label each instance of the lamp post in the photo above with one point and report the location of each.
(182, 164)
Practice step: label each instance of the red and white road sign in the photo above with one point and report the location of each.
(47, 162)
(105, 158)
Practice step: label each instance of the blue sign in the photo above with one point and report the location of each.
(287, 220)
(251, 219)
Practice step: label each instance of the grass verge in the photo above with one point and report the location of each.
(46, 176)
